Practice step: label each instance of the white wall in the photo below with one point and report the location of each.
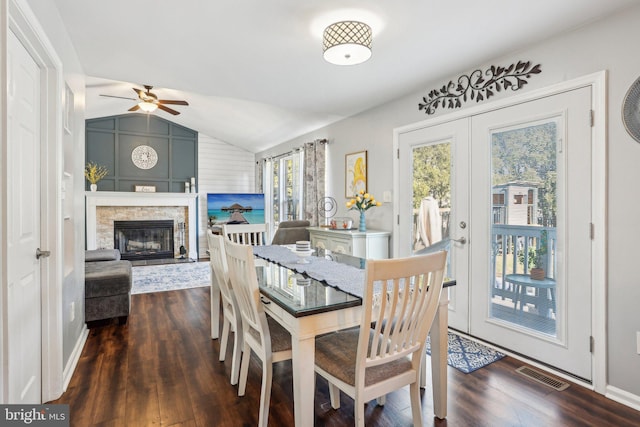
(222, 168)
(604, 45)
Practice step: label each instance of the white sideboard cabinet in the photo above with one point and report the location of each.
(370, 244)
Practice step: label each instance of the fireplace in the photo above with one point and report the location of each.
(106, 207)
(148, 239)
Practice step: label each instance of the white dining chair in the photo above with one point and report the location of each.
(400, 300)
(247, 234)
(266, 337)
(230, 311)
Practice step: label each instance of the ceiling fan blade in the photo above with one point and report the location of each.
(169, 101)
(134, 108)
(138, 91)
(121, 97)
(168, 110)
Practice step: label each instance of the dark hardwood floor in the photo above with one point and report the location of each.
(162, 369)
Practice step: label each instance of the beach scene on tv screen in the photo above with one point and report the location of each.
(235, 208)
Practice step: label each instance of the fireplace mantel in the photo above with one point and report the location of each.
(121, 198)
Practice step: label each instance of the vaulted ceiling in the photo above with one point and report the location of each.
(253, 72)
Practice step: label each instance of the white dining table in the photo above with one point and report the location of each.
(305, 320)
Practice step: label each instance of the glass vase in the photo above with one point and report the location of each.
(363, 225)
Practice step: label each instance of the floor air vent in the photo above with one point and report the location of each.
(542, 378)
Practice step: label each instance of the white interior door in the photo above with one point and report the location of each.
(519, 180)
(433, 203)
(23, 236)
(531, 201)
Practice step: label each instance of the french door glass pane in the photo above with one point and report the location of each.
(523, 236)
(431, 195)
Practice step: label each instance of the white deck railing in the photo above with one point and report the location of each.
(509, 241)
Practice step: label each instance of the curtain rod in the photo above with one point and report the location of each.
(295, 150)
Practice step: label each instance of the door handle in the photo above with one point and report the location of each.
(461, 240)
(42, 254)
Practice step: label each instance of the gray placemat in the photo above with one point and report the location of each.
(347, 278)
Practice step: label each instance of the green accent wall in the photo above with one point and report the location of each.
(110, 141)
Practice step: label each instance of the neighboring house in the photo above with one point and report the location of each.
(515, 203)
(602, 45)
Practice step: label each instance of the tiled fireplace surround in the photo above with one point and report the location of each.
(105, 207)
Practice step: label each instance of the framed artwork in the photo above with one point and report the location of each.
(145, 188)
(355, 170)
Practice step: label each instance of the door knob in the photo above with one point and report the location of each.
(42, 254)
(461, 240)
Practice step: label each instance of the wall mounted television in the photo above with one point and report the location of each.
(235, 208)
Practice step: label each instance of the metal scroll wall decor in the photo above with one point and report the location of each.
(479, 86)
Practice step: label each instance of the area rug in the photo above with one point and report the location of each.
(170, 277)
(466, 355)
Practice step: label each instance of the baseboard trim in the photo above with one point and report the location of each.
(624, 397)
(74, 358)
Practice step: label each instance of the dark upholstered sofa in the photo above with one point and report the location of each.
(289, 232)
(107, 285)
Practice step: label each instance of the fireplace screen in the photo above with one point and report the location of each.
(144, 239)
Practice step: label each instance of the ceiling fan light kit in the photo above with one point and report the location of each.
(347, 43)
(147, 107)
(149, 102)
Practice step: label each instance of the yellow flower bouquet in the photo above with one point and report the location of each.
(362, 202)
(94, 173)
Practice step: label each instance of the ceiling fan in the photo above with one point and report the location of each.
(148, 101)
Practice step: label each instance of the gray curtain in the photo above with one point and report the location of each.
(315, 154)
(259, 175)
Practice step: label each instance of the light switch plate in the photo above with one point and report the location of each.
(386, 196)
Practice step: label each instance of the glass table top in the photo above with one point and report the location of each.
(300, 295)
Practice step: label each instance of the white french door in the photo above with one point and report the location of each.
(519, 193)
(531, 193)
(434, 203)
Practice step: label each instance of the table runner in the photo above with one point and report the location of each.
(347, 278)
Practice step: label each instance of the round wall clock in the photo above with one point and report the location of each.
(631, 110)
(144, 157)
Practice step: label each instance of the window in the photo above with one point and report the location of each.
(283, 185)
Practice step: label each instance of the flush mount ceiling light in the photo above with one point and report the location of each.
(347, 43)
(147, 107)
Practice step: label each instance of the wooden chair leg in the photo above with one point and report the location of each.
(237, 353)
(265, 393)
(244, 370)
(359, 413)
(224, 340)
(416, 408)
(334, 395)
